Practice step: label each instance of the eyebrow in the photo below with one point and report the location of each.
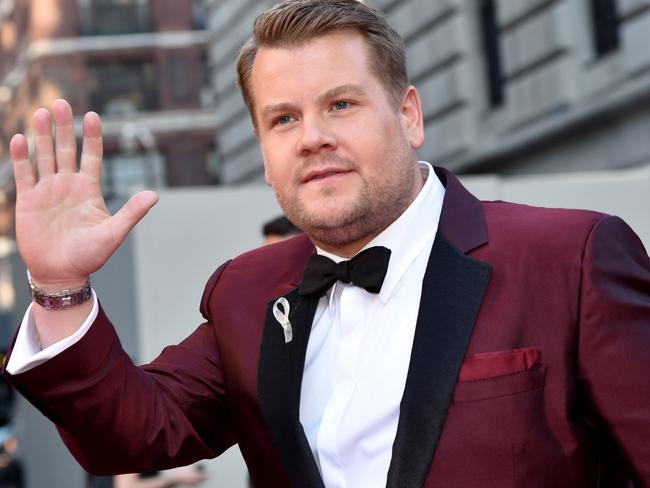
(337, 91)
(277, 107)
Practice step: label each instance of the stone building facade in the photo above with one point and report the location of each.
(508, 86)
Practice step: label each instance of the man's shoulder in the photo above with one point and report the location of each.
(262, 272)
(288, 252)
(273, 259)
(551, 230)
(543, 219)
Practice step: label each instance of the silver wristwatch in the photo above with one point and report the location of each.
(61, 299)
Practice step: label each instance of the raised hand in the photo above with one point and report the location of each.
(188, 475)
(63, 228)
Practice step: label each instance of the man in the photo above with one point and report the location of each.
(185, 476)
(279, 229)
(504, 346)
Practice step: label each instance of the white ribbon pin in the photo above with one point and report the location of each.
(282, 316)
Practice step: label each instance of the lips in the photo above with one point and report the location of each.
(323, 174)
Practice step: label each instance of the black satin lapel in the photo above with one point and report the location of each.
(279, 377)
(452, 292)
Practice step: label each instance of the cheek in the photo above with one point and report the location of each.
(277, 173)
(277, 163)
(270, 164)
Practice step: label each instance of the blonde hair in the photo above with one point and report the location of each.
(292, 23)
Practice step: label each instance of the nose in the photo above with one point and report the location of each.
(316, 136)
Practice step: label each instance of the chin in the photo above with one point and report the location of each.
(324, 213)
(337, 227)
(327, 215)
(337, 236)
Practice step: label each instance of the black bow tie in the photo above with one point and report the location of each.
(367, 270)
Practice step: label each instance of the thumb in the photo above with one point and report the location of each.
(131, 213)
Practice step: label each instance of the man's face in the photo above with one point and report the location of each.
(337, 150)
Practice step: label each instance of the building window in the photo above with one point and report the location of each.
(199, 14)
(493, 66)
(178, 70)
(109, 17)
(6, 9)
(606, 26)
(123, 87)
(131, 171)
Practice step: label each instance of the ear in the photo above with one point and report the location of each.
(411, 117)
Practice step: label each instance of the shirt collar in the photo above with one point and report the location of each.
(407, 236)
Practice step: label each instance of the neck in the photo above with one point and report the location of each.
(347, 250)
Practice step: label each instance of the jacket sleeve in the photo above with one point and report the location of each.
(614, 347)
(170, 412)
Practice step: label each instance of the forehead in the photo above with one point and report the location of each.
(310, 68)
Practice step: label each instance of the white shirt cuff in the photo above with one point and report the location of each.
(27, 354)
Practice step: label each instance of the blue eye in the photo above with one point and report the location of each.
(341, 105)
(283, 119)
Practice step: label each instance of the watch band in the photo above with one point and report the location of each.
(61, 299)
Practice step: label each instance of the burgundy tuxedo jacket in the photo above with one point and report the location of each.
(530, 364)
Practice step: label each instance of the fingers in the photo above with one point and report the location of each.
(43, 144)
(64, 146)
(131, 213)
(92, 150)
(66, 140)
(23, 171)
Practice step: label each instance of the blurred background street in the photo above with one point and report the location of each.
(537, 101)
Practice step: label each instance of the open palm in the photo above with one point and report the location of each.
(63, 228)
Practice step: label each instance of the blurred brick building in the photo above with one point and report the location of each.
(138, 63)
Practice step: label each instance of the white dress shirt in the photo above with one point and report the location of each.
(359, 351)
(27, 353)
(357, 356)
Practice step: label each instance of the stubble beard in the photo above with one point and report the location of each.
(378, 203)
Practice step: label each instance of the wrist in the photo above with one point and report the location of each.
(55, 286)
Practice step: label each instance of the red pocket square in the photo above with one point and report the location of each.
(489, 364)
